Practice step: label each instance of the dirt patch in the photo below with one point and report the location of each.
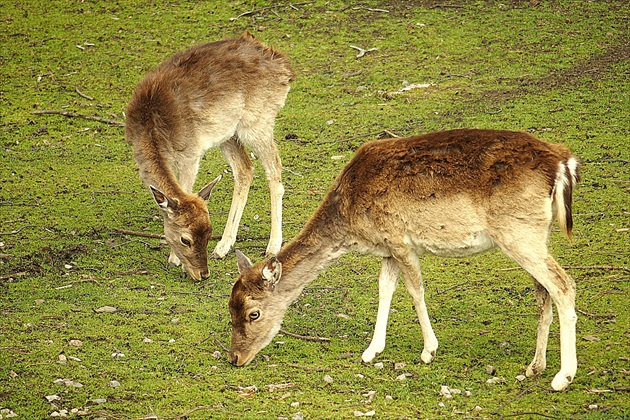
(48, 259)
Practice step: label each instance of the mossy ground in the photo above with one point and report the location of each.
(559, 70)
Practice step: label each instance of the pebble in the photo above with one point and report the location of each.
(490, 370)
(445, 392)
(521, 378)
(113, 384)
(379, 365)
(76, 343)
(106, 309)
(328, 379)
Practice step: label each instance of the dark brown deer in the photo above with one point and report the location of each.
(224, 94)
(451, 194)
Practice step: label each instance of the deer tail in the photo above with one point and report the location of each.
(567, 178)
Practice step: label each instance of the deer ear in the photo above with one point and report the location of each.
(242, 261)
(166, 203)
(205, 191)
(271, 273)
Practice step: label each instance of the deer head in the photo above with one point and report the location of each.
(187, 228)
(256, 306)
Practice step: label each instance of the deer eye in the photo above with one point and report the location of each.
(254, 315)
(185, 241)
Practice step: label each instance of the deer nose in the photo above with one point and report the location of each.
(233, 358)
(204, 274)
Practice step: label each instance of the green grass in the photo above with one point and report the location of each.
(559, 70)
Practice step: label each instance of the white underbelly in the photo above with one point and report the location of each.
(456, 246)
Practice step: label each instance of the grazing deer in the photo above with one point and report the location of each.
(224, 94)
(452, 194)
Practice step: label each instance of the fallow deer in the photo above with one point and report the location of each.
(451, 194)
(224, 94)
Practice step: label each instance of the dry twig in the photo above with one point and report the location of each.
(142, 234)
(83, 95)
(305, 337)
(75, 115)
(273, 6)
(362, 52)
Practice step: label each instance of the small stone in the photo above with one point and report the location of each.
(106, 309)
(521, 378)
(456, 391)
(77, 384)
(328, 379)
(298, 416)
(441, 404)
(39, 301)
(52, 398)
(445, 391)
(490, 370)
(400, 365)
(295, 404)
(389, 397)
(477, 408)
(379, 365)
(99, 400)
(118, 354)
(175, 320)
(402, 376)
(216, 354)
(467, 394)
(593, 407)
(147, 340)
(113, 384)
(62, 359)
(76, 343)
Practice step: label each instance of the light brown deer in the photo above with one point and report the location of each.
(451, 194)
(224, 94)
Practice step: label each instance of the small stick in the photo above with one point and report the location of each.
(14, 275)
(370, 9)
(75, 115)
(216, 340)
(273, 6)
(608, 316)
(295, 365)
(452, 287)
(581, 267)
(67, 286)
(362, 52)
(143, 234)
(81, 94)
(305, 337)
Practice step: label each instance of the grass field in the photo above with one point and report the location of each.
(68, 186)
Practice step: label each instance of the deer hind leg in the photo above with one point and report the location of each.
(410, 266)
(243, 172)
(561, 288)
(545, 316)
(267, 152)
(387, 282)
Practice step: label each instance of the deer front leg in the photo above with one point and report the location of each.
(270, 160)
(387, 281)
(243, 172)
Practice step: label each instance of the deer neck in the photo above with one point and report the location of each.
(320, 243)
